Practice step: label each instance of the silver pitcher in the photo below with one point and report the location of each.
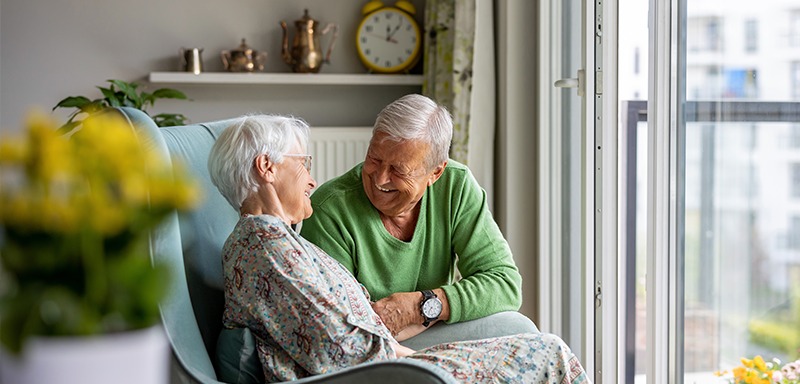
(191, 60)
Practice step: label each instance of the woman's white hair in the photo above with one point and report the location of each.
(416, 117)
(231, 161)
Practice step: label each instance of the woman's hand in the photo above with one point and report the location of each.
(402, 351)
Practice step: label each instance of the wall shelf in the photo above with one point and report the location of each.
(284, 78)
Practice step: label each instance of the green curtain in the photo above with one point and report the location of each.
(449, 54)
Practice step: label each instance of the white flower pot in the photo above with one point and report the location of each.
(140, 356)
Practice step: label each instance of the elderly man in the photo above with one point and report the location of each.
(407, 221)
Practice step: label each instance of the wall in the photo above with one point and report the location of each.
(53, 49)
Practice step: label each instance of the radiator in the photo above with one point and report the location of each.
(336, 149)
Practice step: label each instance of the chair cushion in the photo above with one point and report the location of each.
(237, 357)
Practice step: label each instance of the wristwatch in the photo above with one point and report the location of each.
(431, 307)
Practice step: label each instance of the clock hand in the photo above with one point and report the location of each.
(381, 37)
(395, 30)
(388, 32)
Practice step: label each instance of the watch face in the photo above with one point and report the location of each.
(432, 308)
(388, 40)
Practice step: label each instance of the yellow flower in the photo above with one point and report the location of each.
(747, 362)
(738, 373)
(720, 373)
(758, 380)
(759, 362)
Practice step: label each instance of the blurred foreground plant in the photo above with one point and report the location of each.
(76, 215)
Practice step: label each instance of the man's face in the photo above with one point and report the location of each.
(394, 174)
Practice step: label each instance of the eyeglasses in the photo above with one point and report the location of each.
(306, 163)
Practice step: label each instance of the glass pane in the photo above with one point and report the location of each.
(742, 186)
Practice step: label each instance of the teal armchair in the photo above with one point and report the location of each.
(191, 244)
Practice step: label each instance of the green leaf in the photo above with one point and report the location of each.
(129, 91)
(170, 119)
(110, 96)
(92, 107)
(147, 98)
(168, 93)
(72, 101)
(68, 127)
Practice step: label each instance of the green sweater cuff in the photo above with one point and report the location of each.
(454, 300)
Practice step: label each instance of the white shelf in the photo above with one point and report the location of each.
(284, 78)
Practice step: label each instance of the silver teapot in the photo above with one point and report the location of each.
(243, 59)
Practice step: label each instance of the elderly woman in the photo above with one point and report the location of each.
(309, 315)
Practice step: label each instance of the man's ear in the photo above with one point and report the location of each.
(436, 174)
(265, 169)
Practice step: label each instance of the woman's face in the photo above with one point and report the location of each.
(293, 184)
(394, 175)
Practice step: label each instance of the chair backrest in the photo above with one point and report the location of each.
(191, 243)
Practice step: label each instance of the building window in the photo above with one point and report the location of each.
(795, 169)
(636, 61)
(796, 80)
(713, 35)
(793, 238)
(794, 26)
(751, 35)
(794, 135)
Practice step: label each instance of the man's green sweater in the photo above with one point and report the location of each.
(454, 229)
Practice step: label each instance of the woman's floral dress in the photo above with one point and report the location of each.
(310, 316)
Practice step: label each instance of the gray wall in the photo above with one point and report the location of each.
(53, 49)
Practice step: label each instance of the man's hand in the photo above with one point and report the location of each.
(399, 310)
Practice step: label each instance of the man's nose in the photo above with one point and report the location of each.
(383, 175)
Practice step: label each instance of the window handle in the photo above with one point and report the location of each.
(579, 83)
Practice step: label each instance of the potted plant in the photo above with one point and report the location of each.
(124, 95)
(76, 271)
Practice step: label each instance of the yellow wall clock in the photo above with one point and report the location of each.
(388, 39)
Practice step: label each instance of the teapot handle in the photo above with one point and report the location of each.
(182, 54)
(224, 59)
(333, 40)
(261, 59)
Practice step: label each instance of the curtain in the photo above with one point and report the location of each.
(459, 73)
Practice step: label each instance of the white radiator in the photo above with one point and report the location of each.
(336, 149)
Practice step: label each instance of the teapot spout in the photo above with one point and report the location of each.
(285, 54)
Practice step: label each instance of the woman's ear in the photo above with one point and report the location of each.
(265, 168)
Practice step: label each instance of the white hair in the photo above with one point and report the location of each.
(231, 161)
(416, 117)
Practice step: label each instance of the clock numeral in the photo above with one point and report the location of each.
(377, 58)
(368, 51)
(388, 15)
(408, 51)
(399, 60)
(368, 28)
(408, 27)
(414, 39)
(363, 39)
(376, 19)
(388, 63)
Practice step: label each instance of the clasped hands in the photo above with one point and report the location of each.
(400, 312)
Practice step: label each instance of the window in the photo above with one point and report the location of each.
(796, 80)
(751, 36)
(794, 29)
(795, 180)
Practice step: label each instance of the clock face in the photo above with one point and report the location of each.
(432, 308)
(388, 41)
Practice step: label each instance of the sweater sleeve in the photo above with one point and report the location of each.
(326, 232)
(491, 282)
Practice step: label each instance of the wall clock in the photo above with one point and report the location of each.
(388, 39)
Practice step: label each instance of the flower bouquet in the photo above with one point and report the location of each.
(758, 371)
(75, 216)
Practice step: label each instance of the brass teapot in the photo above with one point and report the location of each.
(243, 59)
(306, 53)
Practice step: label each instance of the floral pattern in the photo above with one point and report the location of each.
(449, 48)
(310, 316)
